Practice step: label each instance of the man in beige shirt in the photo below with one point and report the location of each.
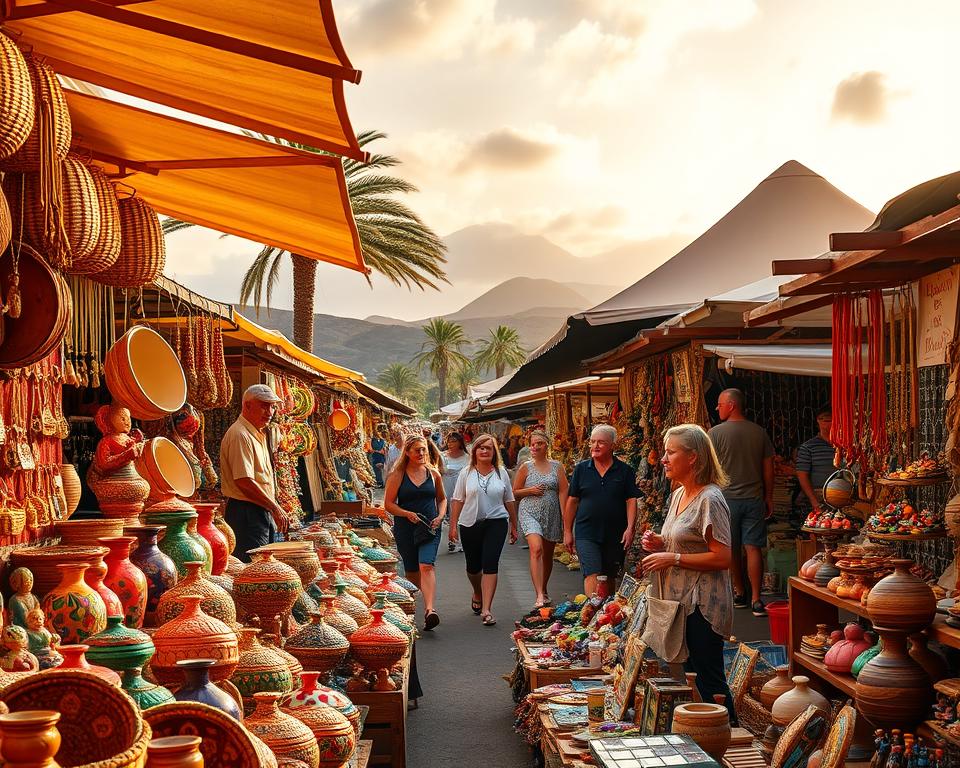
(246, 474)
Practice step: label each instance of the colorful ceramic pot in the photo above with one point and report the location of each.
(335, 736)
(224, 582)
(304, 606)
(901, 601)
(29, 738)
(224, 527)
(193, 634)
(355, 609)
(312, 693)
(43, 563)
(175, 752)
(265, 587)
(336, 618)
(395, 615)
(284, 734)
(378, 646)
(216, 602)
(707, 724)
(893, 691)
(864, 657)
(94, 576)
(74, 657)
(259, 669)
(318, 646)
(235, 567)
(159, 570)
(176, 543)
(146, 694)
(119, 647)
(163, 465)
(299, 555)
(79, 533)
(125, 579)
(388, 585)
(197, 687)
(293, 665)
(219, 547)
(207, 549)
(74, 610)
(793, 702)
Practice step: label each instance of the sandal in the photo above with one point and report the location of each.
(488, 620)
(431, 620)
(412, 704)
(475, 606)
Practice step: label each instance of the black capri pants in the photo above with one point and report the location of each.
(483, 543)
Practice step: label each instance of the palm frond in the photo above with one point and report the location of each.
(261, 278)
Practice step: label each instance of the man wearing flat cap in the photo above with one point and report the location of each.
(246, 474)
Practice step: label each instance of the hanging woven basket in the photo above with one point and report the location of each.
(142, 249)
(50, 129)
(107, 250)
(6, 225)
(17, 104)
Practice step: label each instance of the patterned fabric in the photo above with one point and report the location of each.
(710, 591)
(541, 514)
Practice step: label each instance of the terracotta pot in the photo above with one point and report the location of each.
(235, 567)
(43, 563)
(707, 724)
(318, 646)
(146, 694)
(224, 527)
(163, 465)
(933, 663)
(285, 735)
(272, 642)
(191, 635)
(94, 576)
(841, 655)
(827, 570)
(197, 687)
(159, 570)
(259, 670)
(216, 601)
(177, 543)
(336, 618)
(351, 606)
(335, 736)
(72, 488)
(119, 647)
(790, 704)
(143, 373)
(74, 657)
(175, 752)
(219, 547)
(303, 559)
(29, 739)
(395, 615)
(265, 587)
(377, 647)
(74, 610)
(207, 549)
(901, 601)
(125, 579)
(79, 533)
(313, 693)
(776, 686)
(893, 691)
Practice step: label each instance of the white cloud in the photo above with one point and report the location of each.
(861, 98)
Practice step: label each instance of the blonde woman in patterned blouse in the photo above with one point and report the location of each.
(692, 552)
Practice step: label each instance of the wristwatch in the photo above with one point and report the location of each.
(676, 559)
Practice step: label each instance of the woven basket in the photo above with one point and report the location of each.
(6, 224)
(105, 253)
(16, 98)
(142, 249)
(51, 113)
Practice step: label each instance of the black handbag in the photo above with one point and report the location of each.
(422, 532)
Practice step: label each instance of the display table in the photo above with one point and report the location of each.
(361, 758)
(538, 676)
(342, 508)
(386, 723)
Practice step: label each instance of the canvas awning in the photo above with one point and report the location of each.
(272, 67)
(243, 186)
(800, 360)
(383, 399)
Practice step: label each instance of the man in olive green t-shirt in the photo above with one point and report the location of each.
(746, 454)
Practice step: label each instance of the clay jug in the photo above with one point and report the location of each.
(125, 579)
(159, 570)
(933, 663)
(776, 686)
(74, 657)
(29, 739)
(176, 543)
(197, 687)
(790, 704)
(71, 488)
(892, 690)
(175, 752)
(119, 647)
(285, 735)
(312, 693)
(318, 646)
(901, 601)
(216, 601)
(219, 547)
(191, 635)
(378, 646)
(707, 724)
(265, 587)
(146, 694)
(841, 656)
(224, 527)
(94, 576)
(335, 736)
(259, 669)
(74, 610)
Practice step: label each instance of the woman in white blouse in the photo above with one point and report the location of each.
(483, 512)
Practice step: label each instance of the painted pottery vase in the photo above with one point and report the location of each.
(351, 606)
(119, 647)
(349, 577)
(861, 660)
(146, 694)
(299, 555)
(933, 663)
(44, 563)
(841, 655)
(74, 610)
(175, 752)
(408, 585)
(79, 533)
(125, 579)
(395, 615)
(29, 739)
(790, 704)
(176, 543)
(159, 570)
(284, 734)
(312, 693)
(272, 642)
(827, 570)
(892, 690)
(265, 587)
(377, 647)
(320, 537)
(198, 687)
(74, 657)
(216, 601)
(901, 601)
(335, 736)
(191, 635)
(234, 567)
(259, 669)
(707, 724)
(224, 527)
(333, 616)
(94, 576)
(207, 549)
(319, 647)
(219, 546)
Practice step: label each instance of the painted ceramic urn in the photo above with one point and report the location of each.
(318, 646)
(194, 634)
(216, 601)
(176, 543)
(265, 587)
(224, 527)
(146, 694)
(312, 692)
(219, 547)
(73, 609)
(197, 687)
(158, 568)
(125, 579)
(175, 752)
(335, 736)
(351, 606)
(299, 555)
(74, 657)
(378, 646)
(94, 576)
(272, 641)
(284, 734)
(892, 689)
(119, 647)
(259, 669)
(207, 549)
(332, 615)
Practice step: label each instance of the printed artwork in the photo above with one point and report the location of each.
(623, 686)
(741, 671)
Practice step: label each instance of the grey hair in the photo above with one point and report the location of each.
(692, 438)
(607, 430)
(736, 397)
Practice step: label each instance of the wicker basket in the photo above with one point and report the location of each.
(51, 115)
(17, 104)
(105, 253)
(6, 224)
(142, 249)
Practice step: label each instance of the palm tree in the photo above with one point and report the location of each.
(402, 381)
(441, 352)
(394, 240)
(465, 377)
(501, 350)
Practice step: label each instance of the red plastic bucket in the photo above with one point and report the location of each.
(779, 616)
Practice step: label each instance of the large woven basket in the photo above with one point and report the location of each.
(105, 253)
(6, 225)
(16, 98)
(52, 117)
(142, 249)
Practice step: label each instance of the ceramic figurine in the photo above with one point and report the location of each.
(17, 658)
(113, 478)
(41, 641)
(943, 711)
(21, 582)
(882, 744)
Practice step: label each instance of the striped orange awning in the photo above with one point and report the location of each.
(236, 184)
(274, 67)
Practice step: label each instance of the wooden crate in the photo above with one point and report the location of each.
(538, 677)
(386, 724)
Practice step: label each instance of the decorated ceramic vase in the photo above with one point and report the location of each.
(336, 618)
(198, 687)
(707, 724)
(790, 704)
(119, 647)
(892, 689)
(284, 734)
(775, 686)
(159, 570)
(312, 692)
(335, 736)
(219, 547)
(303, 559)
(29, 739)
(259, 669)
(175, 752)
(377, 647)
(73, 609)
(304, 606)
(318, 646)
(94, 576)
(207, 549)
(272, 642)
(265, 587)
(901, 601)
(193, 634)
(235, 567)
(146, 694)
(216, 602)
(176, 543)
(224, 527)
(351, 606)
(125, 579)
(74, 657)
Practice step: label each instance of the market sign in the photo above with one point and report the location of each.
(937, 316)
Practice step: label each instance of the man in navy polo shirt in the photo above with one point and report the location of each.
(601, 510)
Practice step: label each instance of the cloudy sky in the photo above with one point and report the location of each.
(601, 122)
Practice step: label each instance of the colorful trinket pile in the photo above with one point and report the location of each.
(828, 520)
(923, 468)
(904, 519)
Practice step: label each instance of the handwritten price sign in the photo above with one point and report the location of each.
(937, 315)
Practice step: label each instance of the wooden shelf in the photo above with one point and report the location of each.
(941, 732)
(943, 633)
(905, 536)
(825, 595)
(844, 683)
(913, 483)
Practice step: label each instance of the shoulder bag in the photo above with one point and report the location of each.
(665, 629)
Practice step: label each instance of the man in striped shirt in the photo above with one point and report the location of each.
(815, 460)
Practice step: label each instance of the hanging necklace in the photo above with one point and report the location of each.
(484, 480)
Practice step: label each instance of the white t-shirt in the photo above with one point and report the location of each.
(452, 467)
(483, 497)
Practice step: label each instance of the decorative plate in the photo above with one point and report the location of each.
(838, 740)
(799, 738)
(572, 698)
(226, 743)
(97, 720)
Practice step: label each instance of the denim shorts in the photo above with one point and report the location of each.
(600, 557)
(412, 554)
(748, 523)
